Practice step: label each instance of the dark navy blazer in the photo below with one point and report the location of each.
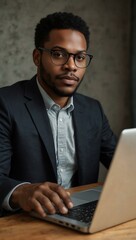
(26, 143)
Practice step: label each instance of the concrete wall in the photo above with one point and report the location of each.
(107, 78)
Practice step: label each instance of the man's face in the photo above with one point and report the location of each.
(60, 81)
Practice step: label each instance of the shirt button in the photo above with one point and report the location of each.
(61, 119)
(61, 170)
(61, 149)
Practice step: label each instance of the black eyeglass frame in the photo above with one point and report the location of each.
(69, 54)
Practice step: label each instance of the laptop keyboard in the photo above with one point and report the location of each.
(83, 212)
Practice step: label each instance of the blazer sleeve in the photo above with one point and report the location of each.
(6, 183)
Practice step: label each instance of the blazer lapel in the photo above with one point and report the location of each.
(82, 131)
(79, 127)
(36, 108)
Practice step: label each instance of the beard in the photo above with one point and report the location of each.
(47, 82)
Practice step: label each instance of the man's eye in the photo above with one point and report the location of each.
(80, 57)
(58, 54)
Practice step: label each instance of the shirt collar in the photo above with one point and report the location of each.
(49, 103)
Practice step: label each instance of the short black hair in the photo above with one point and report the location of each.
(59, 20)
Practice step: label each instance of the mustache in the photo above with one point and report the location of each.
(68, 76)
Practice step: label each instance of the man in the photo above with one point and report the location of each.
(52, 138)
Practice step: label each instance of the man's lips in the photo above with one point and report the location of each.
(68, 79)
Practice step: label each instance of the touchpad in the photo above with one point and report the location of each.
(85, 196)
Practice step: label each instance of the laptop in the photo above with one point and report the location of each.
(112, 204)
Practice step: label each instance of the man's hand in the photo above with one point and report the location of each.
(41, 196)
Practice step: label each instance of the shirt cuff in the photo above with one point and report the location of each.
(6, 204)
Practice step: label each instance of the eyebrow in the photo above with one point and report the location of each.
(64, 49)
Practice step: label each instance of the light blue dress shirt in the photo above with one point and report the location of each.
(63, 135)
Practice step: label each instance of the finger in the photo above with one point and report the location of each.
(52, 202)
(37, 207)
(68, 194)
(64, 196)
(59, 197)
(46, 204)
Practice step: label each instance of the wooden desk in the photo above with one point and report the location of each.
(23, 227)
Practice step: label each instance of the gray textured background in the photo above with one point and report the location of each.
(107, 78)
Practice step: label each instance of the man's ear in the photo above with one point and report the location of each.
(36, 57)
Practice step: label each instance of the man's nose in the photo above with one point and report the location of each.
(70, 64)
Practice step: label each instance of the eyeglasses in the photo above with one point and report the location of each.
(60, 57)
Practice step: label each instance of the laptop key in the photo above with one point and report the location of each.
(83, 212)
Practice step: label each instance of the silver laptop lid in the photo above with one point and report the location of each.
(117, 202)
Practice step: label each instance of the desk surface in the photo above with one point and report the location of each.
(21, 226)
